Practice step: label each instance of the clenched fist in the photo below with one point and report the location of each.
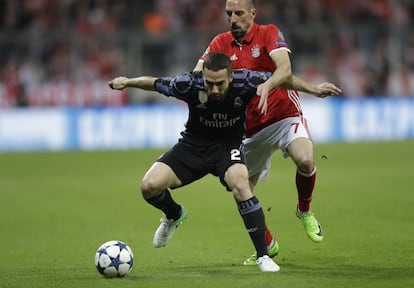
(118, 83)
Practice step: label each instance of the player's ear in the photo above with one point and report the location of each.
(253, 13)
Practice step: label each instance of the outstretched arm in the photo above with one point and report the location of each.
(322, 90)
(143, 82)
(282, 74)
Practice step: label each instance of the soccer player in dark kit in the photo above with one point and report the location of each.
(217, 98)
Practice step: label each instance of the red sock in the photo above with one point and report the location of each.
(305, 184)
(269, 237)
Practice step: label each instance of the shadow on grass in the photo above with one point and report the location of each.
(201, 271)
(347, 271)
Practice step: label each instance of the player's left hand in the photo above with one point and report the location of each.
(263, 92)
(328, 89)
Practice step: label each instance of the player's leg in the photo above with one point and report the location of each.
(154, 188)
(179, 166)
(272, 245)
(301, 152)
(258, 151)
(251, 212)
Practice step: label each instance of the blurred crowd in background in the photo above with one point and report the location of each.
(63, 52)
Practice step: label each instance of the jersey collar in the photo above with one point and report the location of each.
(249, 37)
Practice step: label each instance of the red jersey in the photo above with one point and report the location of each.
(254, 53)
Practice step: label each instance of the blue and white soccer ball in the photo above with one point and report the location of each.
(114, 259)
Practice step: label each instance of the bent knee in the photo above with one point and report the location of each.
(306, 165)
(150, 188)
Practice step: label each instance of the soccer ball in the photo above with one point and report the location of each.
(114, 259)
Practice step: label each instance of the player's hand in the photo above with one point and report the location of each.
(118, 83)
(263, 92)
(327, 89)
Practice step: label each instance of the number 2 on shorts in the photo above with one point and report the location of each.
(235, 155)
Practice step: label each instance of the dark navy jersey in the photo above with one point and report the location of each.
(208, 120)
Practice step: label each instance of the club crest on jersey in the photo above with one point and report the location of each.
(256, 51)
(238, 102)
(203, 98)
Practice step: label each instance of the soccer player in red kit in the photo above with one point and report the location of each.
(263, 48)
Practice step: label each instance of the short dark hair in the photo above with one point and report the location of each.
(251, 4)
(216, 61)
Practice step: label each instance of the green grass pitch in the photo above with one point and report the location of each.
(58, 208)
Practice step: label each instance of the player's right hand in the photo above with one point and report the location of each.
(118, 83)
(328, 89)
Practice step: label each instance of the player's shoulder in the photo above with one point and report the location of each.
(188, 76)
(187, 80)
(267, 27)
(221, 42)
(224, 36)
(271, 31)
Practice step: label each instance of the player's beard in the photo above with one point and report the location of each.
(217, 97)
(238, 33)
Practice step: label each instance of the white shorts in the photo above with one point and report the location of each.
(260, 147)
